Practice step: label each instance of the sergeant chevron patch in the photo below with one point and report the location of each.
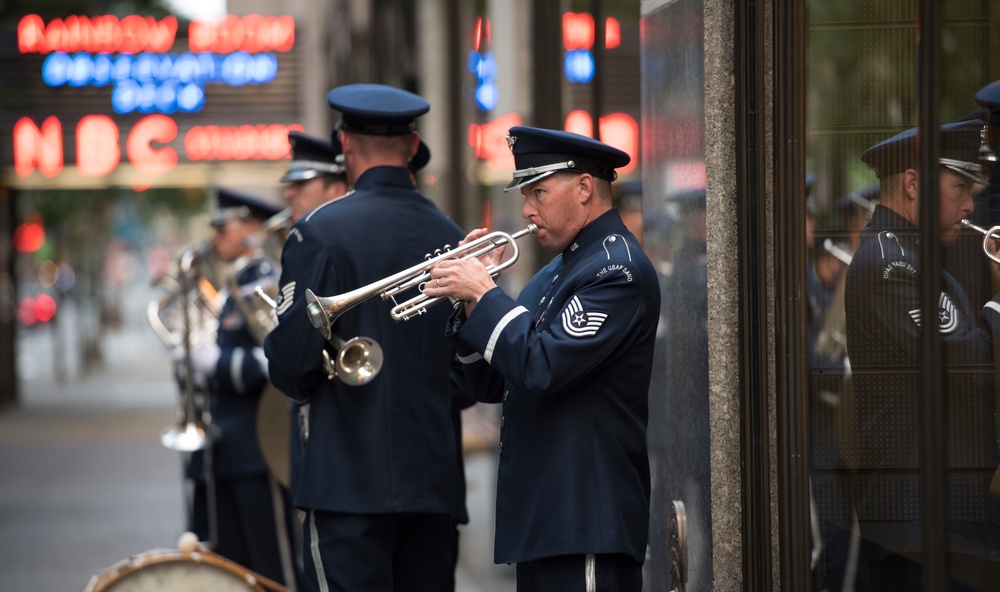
(947, 315)
(285, 298)
(580, 323)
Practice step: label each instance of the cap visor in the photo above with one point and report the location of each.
(522, 181)
(298, 175)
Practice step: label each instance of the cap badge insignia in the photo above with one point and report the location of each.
(511, 140)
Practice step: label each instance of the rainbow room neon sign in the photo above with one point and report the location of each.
(133, 56)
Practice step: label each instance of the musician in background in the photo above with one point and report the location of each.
(379, 471)
(884, 325)
(251, 513)
(316, 174)
(571, 362)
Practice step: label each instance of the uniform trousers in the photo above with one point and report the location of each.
(609, 572)
(394, 552)
(248, 532)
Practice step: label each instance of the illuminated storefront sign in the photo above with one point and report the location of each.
(147, 145)
(489, 140)
(483, 63)
(145, 77)
(150, 68)
(578, 39)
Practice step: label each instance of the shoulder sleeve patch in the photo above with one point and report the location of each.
(578, 322)
(285, 298)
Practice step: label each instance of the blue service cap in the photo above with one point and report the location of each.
(237, 205)
(312, 157)
(989, 97)
(688, 200)
(959, 151)
(539, 153)
(376, 109)
(863, 198)
(421, 158)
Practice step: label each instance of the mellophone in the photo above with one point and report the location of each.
(191, 568)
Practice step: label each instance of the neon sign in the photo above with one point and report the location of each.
(578, 39)
(483, 64)
(147, 147)
(232, 51)
(149, 69)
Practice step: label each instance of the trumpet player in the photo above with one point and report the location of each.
(245, 503)
(378, 480)
(571, 362)
(884, 328)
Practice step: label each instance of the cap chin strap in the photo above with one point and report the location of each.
(532, 171)
(325, 167)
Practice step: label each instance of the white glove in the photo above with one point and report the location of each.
(258, 354)
(204, 359)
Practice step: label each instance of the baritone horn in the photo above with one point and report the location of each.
(323, 311)
(988, 235)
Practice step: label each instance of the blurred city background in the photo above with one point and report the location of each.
(120, 118)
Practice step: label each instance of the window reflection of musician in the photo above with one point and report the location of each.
(250, 511)
(884, 325)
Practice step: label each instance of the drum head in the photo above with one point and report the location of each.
(274, 433)
(172, 570)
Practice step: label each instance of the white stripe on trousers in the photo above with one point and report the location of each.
(314, 548)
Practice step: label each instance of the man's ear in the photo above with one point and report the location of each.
(585, 184)
(911, 183)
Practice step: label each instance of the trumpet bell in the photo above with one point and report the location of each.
(186, 437)
(319, 314)
(359, 361)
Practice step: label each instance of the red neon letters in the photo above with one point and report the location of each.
(98, 34)
(34, 147)
(252, 33)
(148, 146)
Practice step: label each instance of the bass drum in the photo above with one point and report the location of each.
(274, 433)
(169, 571)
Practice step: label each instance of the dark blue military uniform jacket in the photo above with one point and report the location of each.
(571, 362)
(389, 445)
(882, 305)
(238, 382)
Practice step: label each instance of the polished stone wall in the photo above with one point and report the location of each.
(688, 139)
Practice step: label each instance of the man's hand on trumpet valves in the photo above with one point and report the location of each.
(460, 279)
(465, 280)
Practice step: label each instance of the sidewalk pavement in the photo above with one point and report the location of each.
(86, 483)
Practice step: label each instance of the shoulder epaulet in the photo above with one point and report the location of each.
(617, 247)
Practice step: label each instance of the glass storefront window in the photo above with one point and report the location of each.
(867, 235)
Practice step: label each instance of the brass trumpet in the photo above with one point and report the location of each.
(323, 311)
(988, 235)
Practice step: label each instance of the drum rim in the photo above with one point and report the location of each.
(135, 563)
